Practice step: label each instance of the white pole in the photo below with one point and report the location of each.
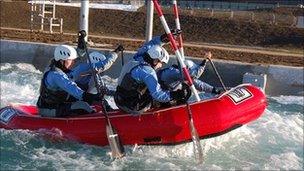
(32, 16)
(149, 24)
(84, 17)
(42, 15)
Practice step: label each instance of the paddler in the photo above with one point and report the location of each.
(138, 85)
(81, 72)
(170, 78)
(59, 94)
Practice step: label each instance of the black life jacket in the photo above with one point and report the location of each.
(51, 99)
(131, 96)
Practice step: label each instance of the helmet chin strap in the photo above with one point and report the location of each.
(154, 65)
(61, 64)
(149, 60)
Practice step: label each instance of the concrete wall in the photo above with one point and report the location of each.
(281, 80)
(300, 21)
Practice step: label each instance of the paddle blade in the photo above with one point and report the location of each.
(117, 148)
(197, 148)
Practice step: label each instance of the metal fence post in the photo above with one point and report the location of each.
(61, 25)
(295, 21)
(273, 19)
(42, 7)
(51, 25)
(149, 22)
(231, 14)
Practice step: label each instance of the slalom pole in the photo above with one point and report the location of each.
(179, 38)
(177, 23)
(197, 148)
(175, 49)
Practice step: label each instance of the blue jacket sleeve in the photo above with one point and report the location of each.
(172, 77)
(196, 71)
(107, 63)
(101, 66)
(148, 76)
(77, 71)
(173, 74)
(202, 86)
(60, 81)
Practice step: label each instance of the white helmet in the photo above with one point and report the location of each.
(158, 52)
(189, 63)
(64, 52)
(96, 57)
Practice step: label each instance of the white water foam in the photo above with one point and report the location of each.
(19, 84)
(274, 141)
(284, 161)
(299, 100)
(288, 127)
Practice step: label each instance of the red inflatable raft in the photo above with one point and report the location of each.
(211, 117)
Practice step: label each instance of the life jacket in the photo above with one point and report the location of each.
(51, 99)
(131, 96)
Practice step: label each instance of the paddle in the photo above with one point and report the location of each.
(122, 58)
(217, 74)
(113, 138)
(198, 152)
(195, 138)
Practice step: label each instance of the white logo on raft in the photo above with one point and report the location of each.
(240, 95)
(7, 114)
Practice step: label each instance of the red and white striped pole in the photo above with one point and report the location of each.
(198, 152)
(177, 23)
(174, 47)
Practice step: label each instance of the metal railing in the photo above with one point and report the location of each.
(235, 4)
(43, 14)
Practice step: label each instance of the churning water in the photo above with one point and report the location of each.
(274, 141)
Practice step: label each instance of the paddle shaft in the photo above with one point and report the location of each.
(194, 135)
(122, 58)
(116, 147)
(97, 85)
(217, 74)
